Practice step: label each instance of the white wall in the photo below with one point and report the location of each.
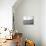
(29, 8)
(43, 22)
(6, 13)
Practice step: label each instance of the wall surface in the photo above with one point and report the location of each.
(6, 13)
(29, 8)
(43, 22)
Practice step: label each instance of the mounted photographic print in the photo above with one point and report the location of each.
(28, 20)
